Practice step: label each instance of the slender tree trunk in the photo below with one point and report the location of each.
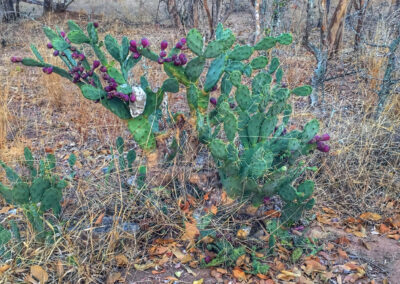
(47, 6)
(17, 8)
(361, 8)
(209, 17)
(7, 10)
(388, 82)
(335, 33)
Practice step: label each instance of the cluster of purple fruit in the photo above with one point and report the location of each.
(178, 60)
(112, 86)
(319, 140)
(16, 59)
(133, 47)
(213, 100)
(78, 72)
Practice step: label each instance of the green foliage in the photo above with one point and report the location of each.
(42, 187)
(255, 155)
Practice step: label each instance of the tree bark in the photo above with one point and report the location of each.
(361, 8)
(47, 6)
(335, 33)
(7, 10)
(388, 82)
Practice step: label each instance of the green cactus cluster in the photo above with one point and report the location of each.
(41, 191)
(245, 129)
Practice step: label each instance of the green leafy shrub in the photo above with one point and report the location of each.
(244, 129)
(37, 193)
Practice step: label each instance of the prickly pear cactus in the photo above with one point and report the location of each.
(245, 129)
(38, 193)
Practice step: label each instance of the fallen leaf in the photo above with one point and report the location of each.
(243, 233)
(191, 231)
(171, 278)
(287, 275)
(113, 277)
(155, 272)
(370, 216)
(99, 219)
(214, 209)
(343, 241)
(5, 209)
(262, 276)
(178, 254)
(200, 281)
(313, 266)
(240, 260)
(4, 268)
(272, 213)
(383, 229)
(60, 268)
(342, 253)
(359, 234)
(121, 260)
(145, 266)
(39, 273)
(396, 221)
(239, 274)
(217, 276)
(222, 270)
(251, 210)
(324, 219)
(365, 244)
(395, 237)
(158, 250)
(329, 210)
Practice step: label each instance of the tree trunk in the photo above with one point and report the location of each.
(7, 10)
(335, 33)
(47, 6)
(388, 82)
(361, 8)
(318, 78)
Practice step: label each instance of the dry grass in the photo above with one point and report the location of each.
(45, 112)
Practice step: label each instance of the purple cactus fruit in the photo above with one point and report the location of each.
(168, 59)
(81, 57)
(284, 85)
(108, 89)
(179, 45)
(49, 45)
(111, 80)
(96, 64)
(114, 85)
(214, 88)
(284, 132)
(232, 105)
(81, 69)
(173, 57)
(133, 43)
(183, 40)
(85, 75)
(67, 40)
(164, 45)
(48, 70)
(213, 101)
(160, 60)
(56, 53)
(133, 98)
(75, 55)
(325, 137)
(182, 58)
(77, 76)
(312, 141)
(321, 146)
(16, 59)
(96, 24)
(299, 228)
(73, 48)
(177, 62)
(145, 42)
(133, 49)
(103, 69)
(106, 76)
(163, 53)
(207, 259)
(63, 34)
(136, 55)
(317, 138)
(90, 73)
(266, 200)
